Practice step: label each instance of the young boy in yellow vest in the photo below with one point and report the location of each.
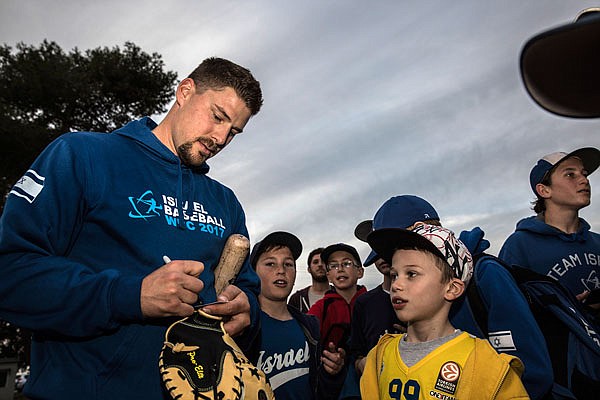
(430, 270)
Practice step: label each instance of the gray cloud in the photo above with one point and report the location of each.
(363, 101)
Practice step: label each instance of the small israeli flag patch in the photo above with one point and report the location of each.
(502, 341)
(29, 186)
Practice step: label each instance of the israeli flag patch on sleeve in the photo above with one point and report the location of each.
(29, 186)
(502, 341)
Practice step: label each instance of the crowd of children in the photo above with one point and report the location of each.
(419, 334)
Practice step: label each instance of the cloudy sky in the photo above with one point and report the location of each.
(364, 100)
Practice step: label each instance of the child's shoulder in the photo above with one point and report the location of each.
(388, 338)
(325, 302)
(484, 351)
(386, 344)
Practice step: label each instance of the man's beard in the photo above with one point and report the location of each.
(191, 159)
(320, 278)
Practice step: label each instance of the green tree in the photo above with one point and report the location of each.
(45, 92)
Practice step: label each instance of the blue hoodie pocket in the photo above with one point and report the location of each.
(132, 372)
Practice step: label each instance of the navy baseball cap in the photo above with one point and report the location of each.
(361, 232)
(363, 229)
(589, 156)
(329, 250)
(276, 239)
(559, 67)
(397, 212)
(371, 258)
(402, 212)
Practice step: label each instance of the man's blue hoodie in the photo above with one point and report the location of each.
(93, 216)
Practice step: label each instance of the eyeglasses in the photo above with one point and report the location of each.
(342, 265)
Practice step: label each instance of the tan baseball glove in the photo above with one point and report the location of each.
(201, 361)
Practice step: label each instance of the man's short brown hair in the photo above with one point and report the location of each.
(218, 73)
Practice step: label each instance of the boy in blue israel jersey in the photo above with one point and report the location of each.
(288, 349)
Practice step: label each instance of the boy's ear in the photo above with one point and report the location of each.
(455, 289)
(361, 272)
(542, 190)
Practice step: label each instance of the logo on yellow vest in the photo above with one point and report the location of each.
(448, 377)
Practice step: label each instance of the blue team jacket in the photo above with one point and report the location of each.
(571, 258)
(512, 328)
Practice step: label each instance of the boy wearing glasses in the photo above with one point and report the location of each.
(430, 269)
(334, 310)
